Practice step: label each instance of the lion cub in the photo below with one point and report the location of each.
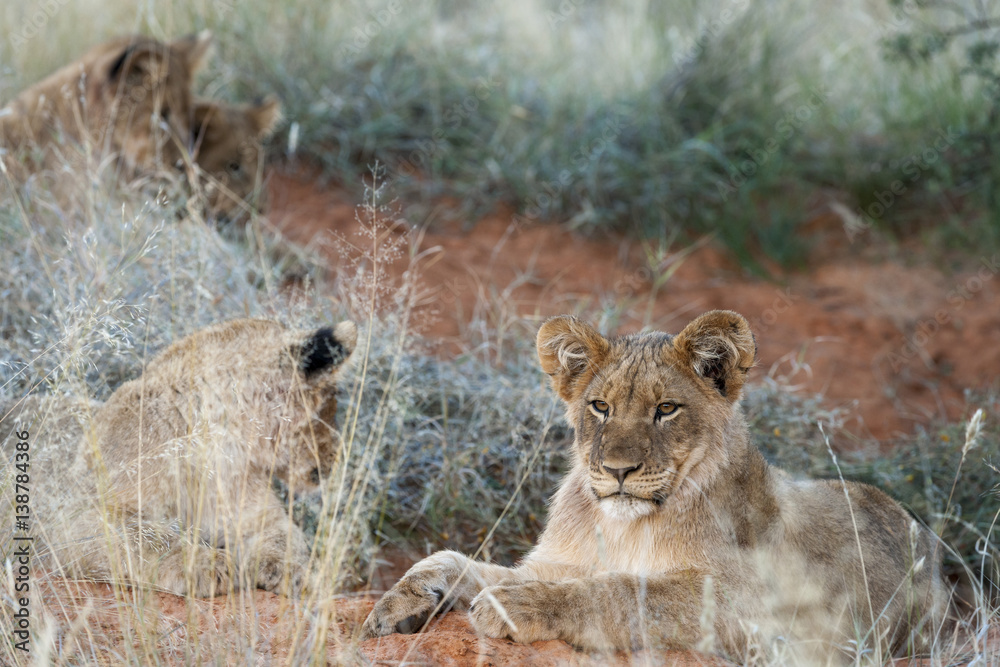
(172, 481)
(130, 97)
(668, 505)
(227, 147)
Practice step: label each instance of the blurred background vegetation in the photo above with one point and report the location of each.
(743, 119)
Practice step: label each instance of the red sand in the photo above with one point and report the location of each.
(856, 330)
(860, 332)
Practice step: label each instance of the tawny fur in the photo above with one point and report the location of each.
(229, 154)
(170, 483)
(129, 98)
(659, 499)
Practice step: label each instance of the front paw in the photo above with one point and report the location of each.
(196, 570)
(525, 612)
(281, 574)
(406, 607)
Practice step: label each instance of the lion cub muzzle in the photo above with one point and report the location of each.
(621, 472)
(614, 475)
(622, 491)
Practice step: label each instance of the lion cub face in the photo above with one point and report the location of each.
(647, 408)
(139, 93)
(228, 149)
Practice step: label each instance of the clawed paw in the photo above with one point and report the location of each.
(405, 609)
(279, 576)
(511, 611)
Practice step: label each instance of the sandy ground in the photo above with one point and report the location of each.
(895, 344)
(261, 628)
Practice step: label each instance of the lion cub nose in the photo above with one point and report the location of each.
(621, 473)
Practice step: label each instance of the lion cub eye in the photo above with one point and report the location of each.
(666, 409)
(235, 167)
(600, 406)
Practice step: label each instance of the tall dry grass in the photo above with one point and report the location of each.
(449, 453)
(736, 118)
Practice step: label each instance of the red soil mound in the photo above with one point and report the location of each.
(895, 345)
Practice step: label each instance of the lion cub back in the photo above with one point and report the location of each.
(875, 561)
(224, 406)
(170, 479)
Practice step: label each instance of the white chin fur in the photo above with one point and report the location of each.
(626, 509)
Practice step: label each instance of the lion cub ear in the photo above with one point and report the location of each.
(720, 348)
(264, 117)
(195, 49)
(143, 63)
(327, 349)
(570, 352)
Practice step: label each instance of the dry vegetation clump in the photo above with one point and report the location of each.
(461, 453)
(456, 453)
(737, 118)
(91, 294)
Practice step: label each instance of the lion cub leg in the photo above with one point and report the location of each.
(198, 570)
(615, 611)
(274, 555)
(445, 579)
(141, 553)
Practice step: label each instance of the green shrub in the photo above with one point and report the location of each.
(961, 39)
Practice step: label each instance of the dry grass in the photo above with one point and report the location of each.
(460, 453)
(731, 117)
(440, 453)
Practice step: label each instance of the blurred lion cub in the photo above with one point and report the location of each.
(171, 481)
